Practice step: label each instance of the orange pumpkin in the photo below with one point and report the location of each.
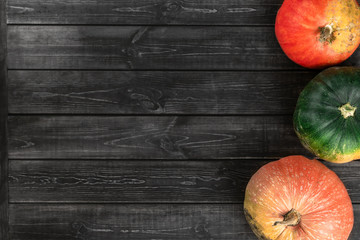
(296, 198)
(318, 33)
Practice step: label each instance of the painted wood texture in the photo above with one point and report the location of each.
(4, 197)
(116, 47)
(143, 12)
(144, 181)
(91, 157)
(127, 221)
(155, 92)
(154, 137)
(130, 47)
(134, 222)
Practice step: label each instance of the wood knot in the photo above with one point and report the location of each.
(80, 229)
(132, 52)
(168, 144)
(12, 179)
(148, 99)
(201, 230)
(170, 9)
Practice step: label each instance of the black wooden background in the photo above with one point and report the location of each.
(143, 119)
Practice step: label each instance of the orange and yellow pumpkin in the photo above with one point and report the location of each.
(320, 33)
(296, 198)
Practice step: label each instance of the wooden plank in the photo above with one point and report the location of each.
(116, 47)
(143, 12)
(144, 181)
(155, 92)
(156, 137)
(4, 197)
(130, 181)
(127, 221)
(130, 47)
(135, 222)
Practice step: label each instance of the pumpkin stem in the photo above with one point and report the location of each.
(292, 218)
(326, 34)
(347, 110)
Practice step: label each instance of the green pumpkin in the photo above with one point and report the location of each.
(327, 115)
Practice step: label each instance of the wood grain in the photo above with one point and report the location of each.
(115, 177)
(119, 47)
(143, 12)
(130, 181)
(155, 137)
(144, 181)
(154, 92)
(134, 222)
(161, 48)
(128, 221)
(4, 197)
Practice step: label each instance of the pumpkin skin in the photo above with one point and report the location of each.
(298, 185)
(318, 118)
(317, 34)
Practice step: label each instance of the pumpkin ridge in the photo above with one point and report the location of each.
(354, 94)
(329, 88)
(282, 232)
(254, 225)
(318, 149)
(284, 168)
(336, 146)
(356, 101)
(355, 137)
(331, 122)
(356, 131)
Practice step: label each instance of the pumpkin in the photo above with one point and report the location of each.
(327, 115)
(296, 198)
(316, 34)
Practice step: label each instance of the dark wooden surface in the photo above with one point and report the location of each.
(144, 47)
(143, 12)
(129, 221)
(140, 47)
(4, 196)
(144, 119)
(157, 137)
(155, 92)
